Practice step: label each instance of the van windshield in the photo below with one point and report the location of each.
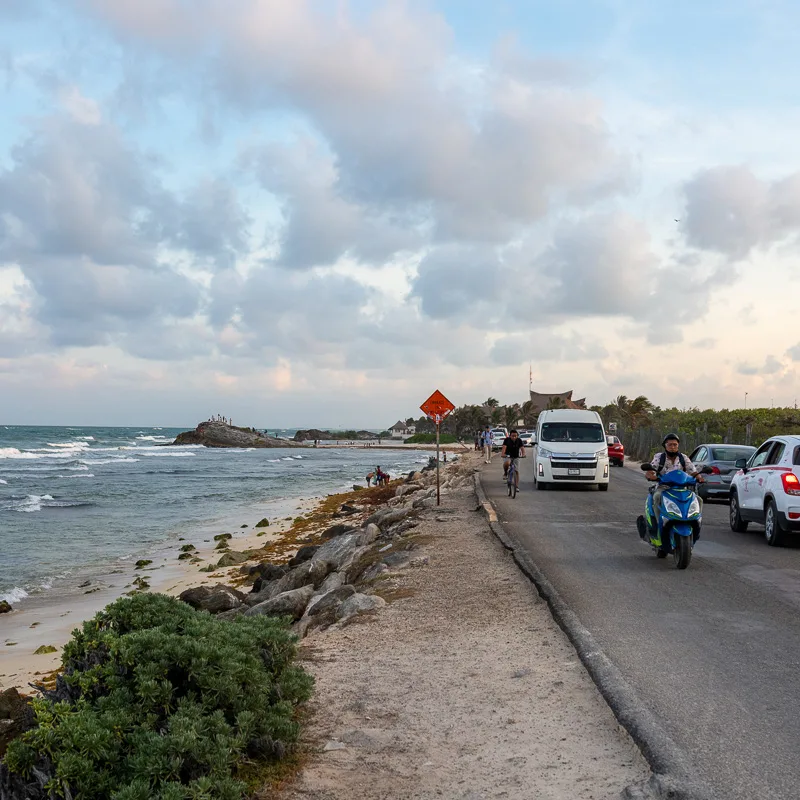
(572, 432)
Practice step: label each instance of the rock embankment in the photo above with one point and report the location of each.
(335, 578)
(220, 434)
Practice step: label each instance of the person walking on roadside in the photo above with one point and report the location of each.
(487, 445)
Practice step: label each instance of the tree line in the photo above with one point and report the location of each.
(640, 423)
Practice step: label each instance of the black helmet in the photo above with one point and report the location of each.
(671, 437)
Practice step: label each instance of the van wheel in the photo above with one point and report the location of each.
(603, 487)
(540, 485)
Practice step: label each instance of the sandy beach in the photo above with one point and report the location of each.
(44, 621)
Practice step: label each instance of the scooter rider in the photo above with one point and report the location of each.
(669, 460)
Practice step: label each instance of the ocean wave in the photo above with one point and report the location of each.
(94, 461)
(14, 595)
(36, 502)
(167, 455)
(73, 445)
(86, 438)
(5, 483)
(151, 438)
(87, 475)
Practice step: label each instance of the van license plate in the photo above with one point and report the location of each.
(573, 471)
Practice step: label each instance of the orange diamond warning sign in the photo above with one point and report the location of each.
(437, 406)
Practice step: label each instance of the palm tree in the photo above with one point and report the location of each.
(556, 402)
(640, 411)
(512, 415)
(491, 402)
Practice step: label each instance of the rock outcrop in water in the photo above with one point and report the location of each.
(220, 434)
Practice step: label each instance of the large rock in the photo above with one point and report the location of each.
(337, 530)
(359, 604)
(220, 434)
(232, 559)
(292, 603)
(5, 607)
(369, 535)
(311, 573)
(214, 599)
(339, 552)
(303, 554)
(16, 717)
(330, 601)
(388, 516)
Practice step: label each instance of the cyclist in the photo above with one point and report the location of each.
(513, 449)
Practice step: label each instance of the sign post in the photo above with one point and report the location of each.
(437, 407)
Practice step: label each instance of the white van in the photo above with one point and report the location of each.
(570, 447)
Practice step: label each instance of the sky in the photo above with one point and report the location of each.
(306, 213)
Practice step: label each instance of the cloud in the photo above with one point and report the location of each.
(771, 366)
(542, 346)
(731, 211)
(479, 153)
(794, 352)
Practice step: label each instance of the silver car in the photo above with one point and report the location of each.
(722, 459)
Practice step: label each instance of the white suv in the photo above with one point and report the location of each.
(766, 489)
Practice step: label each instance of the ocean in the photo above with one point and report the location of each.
(75, 502)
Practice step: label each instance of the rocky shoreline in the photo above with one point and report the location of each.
(213, 433)
(331, 576)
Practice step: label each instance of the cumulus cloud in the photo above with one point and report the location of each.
(731, 211)
(794, 352)
(479, 153)
(771, 366)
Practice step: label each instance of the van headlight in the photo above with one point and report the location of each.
(694, 508)
(602, 453)
(545, 453)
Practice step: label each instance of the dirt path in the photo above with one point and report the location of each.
(464, 689)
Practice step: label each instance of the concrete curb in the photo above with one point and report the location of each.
(672, 777)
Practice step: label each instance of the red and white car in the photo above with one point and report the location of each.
(766, 489)
(616, 451)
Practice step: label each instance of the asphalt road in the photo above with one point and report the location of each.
(713, 651)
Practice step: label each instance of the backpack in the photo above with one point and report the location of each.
(663, 461)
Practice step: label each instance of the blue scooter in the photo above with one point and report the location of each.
(675, 526)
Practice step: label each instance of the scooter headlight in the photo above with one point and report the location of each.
(671, 507)
(694, 508)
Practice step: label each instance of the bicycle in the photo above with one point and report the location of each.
(511, 478)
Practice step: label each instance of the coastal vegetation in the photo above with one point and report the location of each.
(640, 423)
(157, 701)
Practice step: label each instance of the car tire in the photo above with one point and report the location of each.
(541, 485)
(603, 487)
(772, 526)
(737, 523)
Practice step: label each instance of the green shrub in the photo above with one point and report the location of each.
(158, 701)
(430, 438)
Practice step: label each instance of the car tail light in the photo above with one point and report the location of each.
(715, 471)
(791, 483)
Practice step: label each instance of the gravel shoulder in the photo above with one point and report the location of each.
(462, 687)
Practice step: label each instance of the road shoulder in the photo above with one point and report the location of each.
(463, 687)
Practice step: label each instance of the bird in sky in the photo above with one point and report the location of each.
(677, 220)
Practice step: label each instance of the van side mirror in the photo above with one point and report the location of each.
(646, 467)
(741, 463)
